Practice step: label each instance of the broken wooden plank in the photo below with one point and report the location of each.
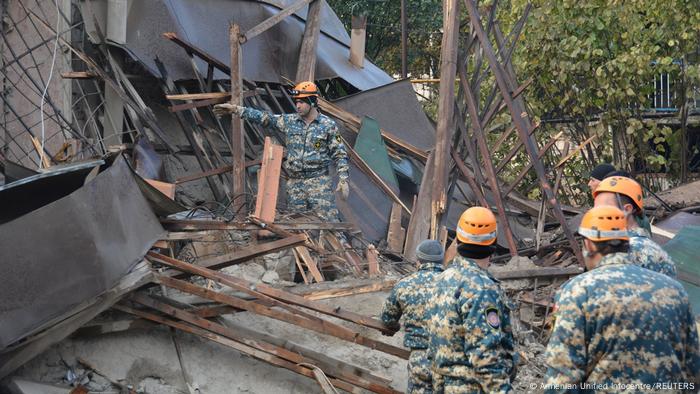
(199, 96)
(238, 194)
(166, 188)
(306, 64)
(396, 234)
(419, 225)
(78, 75)
(541, 272)
(245, 349)
(235, 335)
(268, 182)
(197, 104)
(350, 291)
(198, 225)
(273, 20)
(318, 325)
(297, 261)
(269, 291)
(309, 262)
(372, 261)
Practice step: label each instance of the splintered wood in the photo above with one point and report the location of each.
(268, 183)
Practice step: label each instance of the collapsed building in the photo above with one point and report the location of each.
(146, 244)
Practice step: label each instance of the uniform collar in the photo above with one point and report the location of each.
(430, 266)
(613, 259)
(317, 119)
(470, 265)
(639, 232)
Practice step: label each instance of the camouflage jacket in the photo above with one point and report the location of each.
(311, 148)
(470, 331)
(648, 254)
(409, 298)
(621, 324)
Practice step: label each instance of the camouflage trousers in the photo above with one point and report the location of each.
(313, 194)
(420, 380)
(452, 385)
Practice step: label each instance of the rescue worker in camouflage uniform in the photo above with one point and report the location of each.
(626, 194)
(471, 339)
(620, 324)
(312, 142)
(409, 298)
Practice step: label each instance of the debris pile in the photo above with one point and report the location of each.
(129, 207)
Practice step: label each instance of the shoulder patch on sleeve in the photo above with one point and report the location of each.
(492, 317)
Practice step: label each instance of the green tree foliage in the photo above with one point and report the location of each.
(384, 32)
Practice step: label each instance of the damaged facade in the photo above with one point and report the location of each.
(145, 250)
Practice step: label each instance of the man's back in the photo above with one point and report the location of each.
(646, 253)
(409, 298)
(621, 323)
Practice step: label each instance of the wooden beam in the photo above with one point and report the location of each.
(78, 75)
(396, 234)
(353, 122)
(318, 325)
(306, 66)
(372, 260)
(419, 225)
(269, 291)
(540, 272)
(199, 225)
(268, 182)
(199, 96)
(350, 291)
(446, 106)
(238, 195)
(309, 262)
(245, 349)
(196, 104)
(273, 20)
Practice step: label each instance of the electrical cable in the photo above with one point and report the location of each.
(46, 88)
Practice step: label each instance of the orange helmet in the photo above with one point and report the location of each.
(604, 223)
(304, 89)
(477, 226)
(621, 185)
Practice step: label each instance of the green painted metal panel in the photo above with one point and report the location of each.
(369, 145)
(683, 248)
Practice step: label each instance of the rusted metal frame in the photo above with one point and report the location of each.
(44, 42)
(306, 66)
(470, 180)
(513, 151)
(523, 125)
(168, 87)
(273, 20)
(501, 43)
(488, 165)
(145, 115)
(263, 291)
(499, 105)
(278, 107)
(469, 142)
(201, 225)
(245, 349)
(542, 217)
(527, 168)
(317, 324)
(446, 111)
(476, 79)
